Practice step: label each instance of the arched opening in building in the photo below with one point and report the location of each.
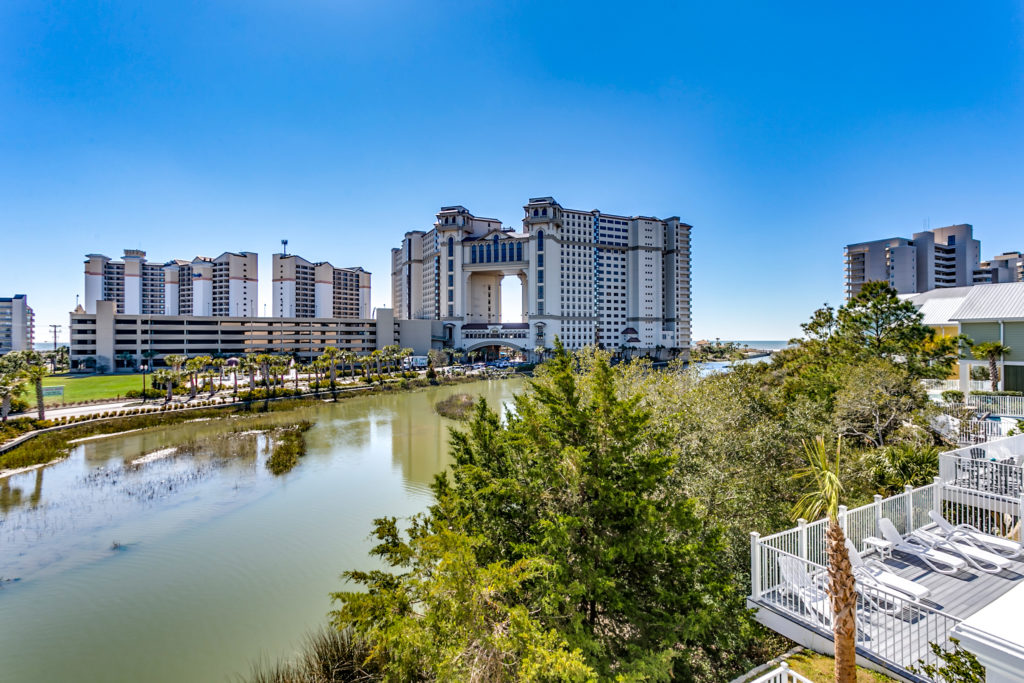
(512, 303)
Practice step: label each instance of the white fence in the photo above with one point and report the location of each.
(783, 674)
(979, 485)
(954, 385)
(1011, 406)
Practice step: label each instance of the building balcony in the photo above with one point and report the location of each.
(973, 597)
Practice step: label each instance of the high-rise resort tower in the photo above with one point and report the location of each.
(224, 286)
(590, 278)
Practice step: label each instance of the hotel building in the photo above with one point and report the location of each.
(588, 277)
(1007, 267)
(102, 336)
(303, 289)
(944, 257)
(17, 324)
(221, 286)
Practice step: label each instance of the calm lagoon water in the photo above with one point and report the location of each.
(216, 562)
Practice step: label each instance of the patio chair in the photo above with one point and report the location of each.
(993, 544)
(926, 552)
(960, 544)
(812, 594)
(875, 574)
(800, 583)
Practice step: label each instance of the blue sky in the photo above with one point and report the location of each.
(780, 131)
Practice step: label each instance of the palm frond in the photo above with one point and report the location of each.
(825, 488)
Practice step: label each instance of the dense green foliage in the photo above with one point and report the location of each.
(456, 406)
(956, 666)
(289, 446)
(558, 549)
(601, 529)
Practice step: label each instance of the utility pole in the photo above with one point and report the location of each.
(53, 358)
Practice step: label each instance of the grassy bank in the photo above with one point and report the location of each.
(54, 445)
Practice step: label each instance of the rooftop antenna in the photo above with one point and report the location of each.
(284, 247)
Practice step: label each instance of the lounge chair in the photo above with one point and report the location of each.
(875, 574)
(993, 544)
(926, 552)
(811, 593)
(800, 583)
(959, 543)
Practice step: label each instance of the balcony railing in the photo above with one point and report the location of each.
(979, 485)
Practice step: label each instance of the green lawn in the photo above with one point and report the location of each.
(820, 668)
(87, 388)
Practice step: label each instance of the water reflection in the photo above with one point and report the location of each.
(149, 544)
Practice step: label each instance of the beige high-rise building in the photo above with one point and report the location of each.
(221, 286)
(590, 278)
(303, 289)
(17, 324)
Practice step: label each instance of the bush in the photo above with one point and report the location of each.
(902, 464)
(456, 406)
(150, 393)
(997, 393)
(290, 446)
(953, 396)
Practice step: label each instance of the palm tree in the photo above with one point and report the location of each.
(822, 497)
(175, 361)
(166, 378)
(126, 359)
(349, 358)
(219, 363)
(34, 370)
(193, 366)
(993, 351)
(330, 357)
(10, 383)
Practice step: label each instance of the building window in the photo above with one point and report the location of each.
(451, 247)
(540, 276)
(519, 251)
(540, 291)
(451, 280)
(540, 240)
(504, 252)
(451, 295)
(472, 252)
(488, 253)
(540, 260)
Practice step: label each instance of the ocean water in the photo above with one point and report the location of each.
(764, 344)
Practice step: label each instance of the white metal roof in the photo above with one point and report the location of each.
(1003, 301)
(937, 306)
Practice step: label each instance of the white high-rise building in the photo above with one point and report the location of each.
(221, 286)
(944, 257)
(17, 324)
(1007, 267)
(617, 282)
(303, 289)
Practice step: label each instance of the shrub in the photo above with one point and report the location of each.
(997, 393)
(953, 396)
(456, 406)
(289, 447)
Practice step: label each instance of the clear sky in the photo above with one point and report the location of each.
(780, 131)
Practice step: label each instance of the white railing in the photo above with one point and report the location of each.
(783, 674)
(978, 431)
(954, 385)
(890, 628)
(788, 569)
(1011, 406)
(941, 384)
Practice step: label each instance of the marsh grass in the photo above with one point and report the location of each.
(289, 446)
(54, 445)
(327, 656)
(456, 406)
